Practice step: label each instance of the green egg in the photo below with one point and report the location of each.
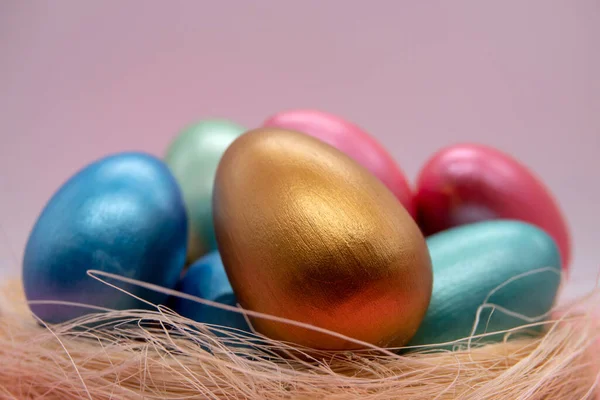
(193, 158)
(511, 264)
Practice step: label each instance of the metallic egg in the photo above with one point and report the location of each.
(193, 157)
(352, 140)
(467, 183)
(206, 279)
(122, 214)
(308, 234)
(507, 264)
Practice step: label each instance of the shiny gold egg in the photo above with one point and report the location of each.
(307, 234)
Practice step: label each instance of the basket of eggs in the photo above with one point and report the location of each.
(295, 260)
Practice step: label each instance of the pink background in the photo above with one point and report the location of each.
(81, 79)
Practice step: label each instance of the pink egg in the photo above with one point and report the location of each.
(353, 141)
(467, 183)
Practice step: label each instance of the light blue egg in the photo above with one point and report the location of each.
(122, 214)
(206, 279)
(473, 263)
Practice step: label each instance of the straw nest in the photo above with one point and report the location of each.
(157, 354)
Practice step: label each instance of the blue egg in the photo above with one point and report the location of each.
(206, 279)
(511, 264)
(123, 214)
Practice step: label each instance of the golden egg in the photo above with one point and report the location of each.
(307, 234)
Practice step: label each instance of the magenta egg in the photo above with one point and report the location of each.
(469, 183)
(353, 141)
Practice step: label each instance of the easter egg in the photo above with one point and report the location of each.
(123, 214)
(307, 234)
(510, 264)
(193, 158)
(353, 141)
(206, 279)
(470, 183)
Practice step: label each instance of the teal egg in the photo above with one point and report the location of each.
(193, 158)
(511, 264)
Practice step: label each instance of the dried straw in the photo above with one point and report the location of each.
(157, 354)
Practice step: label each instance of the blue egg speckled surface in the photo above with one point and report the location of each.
(206, 278)
(122, 214)
(471, 262)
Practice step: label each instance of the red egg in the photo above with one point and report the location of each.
(467, 183)
(353, 141)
